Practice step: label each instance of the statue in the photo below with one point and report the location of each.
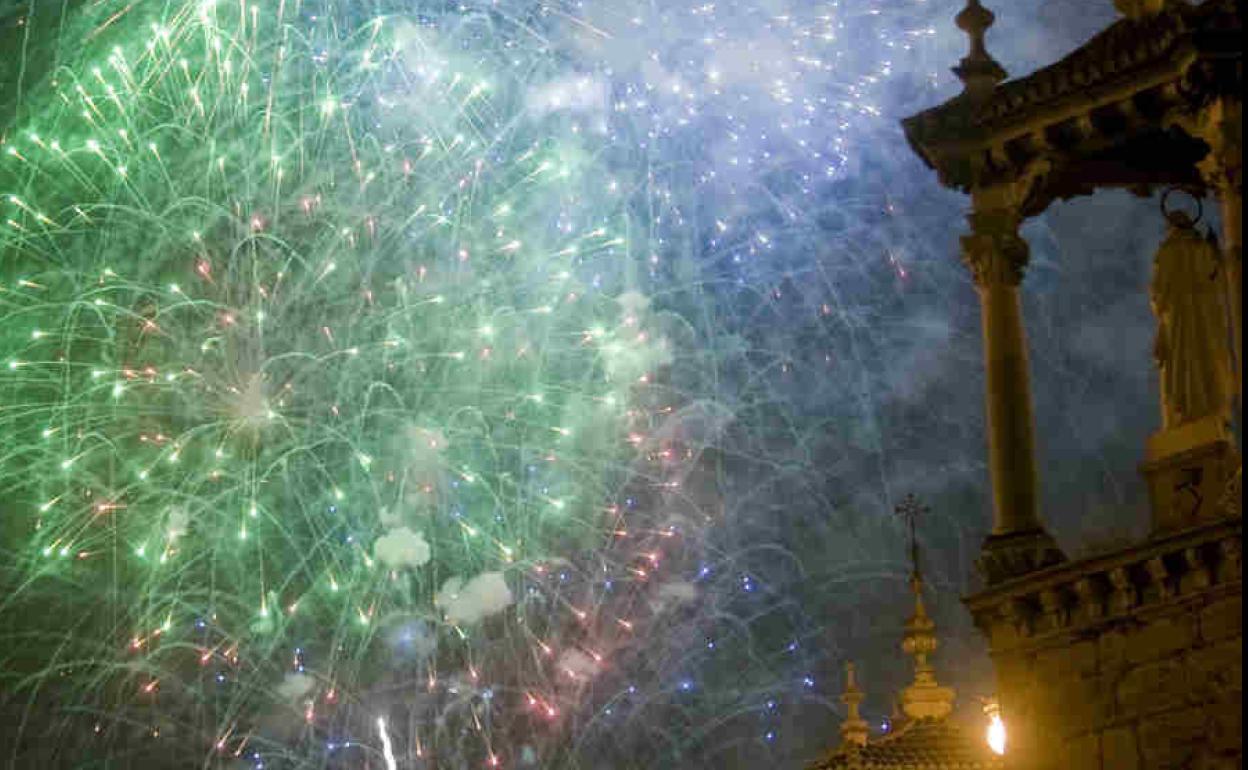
(1193, 348)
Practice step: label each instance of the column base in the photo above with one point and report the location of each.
(1008, 556)
(1193, 475)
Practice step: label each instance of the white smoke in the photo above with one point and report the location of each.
(574, 93)
(423, 464)
(577, 664)
(632, 350)
(410, 637)
(178, 523)
(401, 548)
(673, 594)
(294, 686)
(467, 603)
(389, 518)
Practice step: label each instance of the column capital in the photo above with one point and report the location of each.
(1223, 168)
(994, 251)
(1220, 124)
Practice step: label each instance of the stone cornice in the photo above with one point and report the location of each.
(1125, 82)
(1077, 597)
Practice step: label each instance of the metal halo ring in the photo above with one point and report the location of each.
(1173, 216)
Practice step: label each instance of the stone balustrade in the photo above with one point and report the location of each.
(1180, 567)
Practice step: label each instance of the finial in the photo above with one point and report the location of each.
(911, 509)
(854, 729)
(920, 639)
(978, 71)
(925, 698)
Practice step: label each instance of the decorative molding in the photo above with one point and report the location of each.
(994, 250)
(1193, 566)
(1090, 598)
(1007, 557)
(1160, 575)
(1232, 553)
(1123, 598)
(1118, 87)
(995, 259)
(1197, 572)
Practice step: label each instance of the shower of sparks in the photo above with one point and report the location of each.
(386, 747)
(453, 360)
(320, 355)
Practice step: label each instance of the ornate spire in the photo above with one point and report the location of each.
(854, 729)
(925, 698)
(978, 71)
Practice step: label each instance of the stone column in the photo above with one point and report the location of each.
(1226, 172)
(997, 255)
(1221, 126)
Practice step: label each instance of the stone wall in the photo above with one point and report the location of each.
(1128, 660)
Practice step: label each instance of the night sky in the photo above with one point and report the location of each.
(536, 378)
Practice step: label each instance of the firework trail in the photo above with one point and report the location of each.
(467, 384)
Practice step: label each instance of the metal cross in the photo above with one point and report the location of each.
(910, 509)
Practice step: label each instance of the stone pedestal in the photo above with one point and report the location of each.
(1188, 469)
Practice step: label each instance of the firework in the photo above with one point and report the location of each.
(316, 348)
(469, 384)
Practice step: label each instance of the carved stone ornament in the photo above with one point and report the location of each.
(1220, 124)
(995, 255)
(1231, 503)
(978, 71)
(994, 251)
(1009, 556)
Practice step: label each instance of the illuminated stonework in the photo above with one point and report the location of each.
(1132, 658)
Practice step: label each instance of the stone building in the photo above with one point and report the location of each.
(1132, 658)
